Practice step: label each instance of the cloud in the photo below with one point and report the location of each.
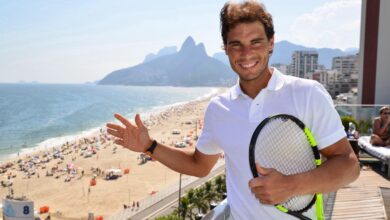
(335, 24)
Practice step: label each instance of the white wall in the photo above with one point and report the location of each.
(382, 88)
(361, 50)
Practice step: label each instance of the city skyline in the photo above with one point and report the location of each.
(69, 42)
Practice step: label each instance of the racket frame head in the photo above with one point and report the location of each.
(252, 145)
(312, 142)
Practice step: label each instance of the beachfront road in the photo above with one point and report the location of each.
(168, 204)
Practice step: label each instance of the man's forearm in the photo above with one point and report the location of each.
(183, 161)
(340, 169)
(332, 175)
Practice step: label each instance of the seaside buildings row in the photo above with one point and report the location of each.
(340, 79)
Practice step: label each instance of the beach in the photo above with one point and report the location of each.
(62, 177)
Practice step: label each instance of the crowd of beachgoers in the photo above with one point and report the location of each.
(94, 175)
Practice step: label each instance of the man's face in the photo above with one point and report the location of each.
(248, 50)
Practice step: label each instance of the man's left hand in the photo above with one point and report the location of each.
(271, 187)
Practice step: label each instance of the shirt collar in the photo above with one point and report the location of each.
(275, 83)
(236, 91)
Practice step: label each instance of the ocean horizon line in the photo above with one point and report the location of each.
(96, 84)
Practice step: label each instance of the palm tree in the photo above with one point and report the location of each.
(220, 183)
(191, 198)
(200, 202)
(199, 198)
(211, 193)
(184, 207)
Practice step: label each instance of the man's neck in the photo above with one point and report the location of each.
(253, 87)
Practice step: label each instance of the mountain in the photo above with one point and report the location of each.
(283, 51)
(190, 66)
(352, 50)
(164, 51)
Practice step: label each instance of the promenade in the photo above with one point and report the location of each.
(165, 201)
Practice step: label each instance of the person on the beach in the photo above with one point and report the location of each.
(381, 129)
(230, 119)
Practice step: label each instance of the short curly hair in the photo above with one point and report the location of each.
(248, 11)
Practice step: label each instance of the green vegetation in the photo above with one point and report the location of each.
(365, 127)
(172, 216)
(346, 119)
(362, 126)
(199, 200)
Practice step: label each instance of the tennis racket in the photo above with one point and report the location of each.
(284, 143)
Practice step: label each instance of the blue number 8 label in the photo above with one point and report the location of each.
(26, 210)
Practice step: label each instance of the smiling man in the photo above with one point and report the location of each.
(230, 119)
(249, 48)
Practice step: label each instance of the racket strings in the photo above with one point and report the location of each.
(283, 145)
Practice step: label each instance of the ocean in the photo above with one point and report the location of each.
(44, 115)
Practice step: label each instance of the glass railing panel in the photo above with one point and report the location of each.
(364, 115)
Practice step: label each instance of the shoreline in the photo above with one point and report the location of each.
(68, 190)
(58, 141)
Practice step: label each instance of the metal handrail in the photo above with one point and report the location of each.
(220, 212)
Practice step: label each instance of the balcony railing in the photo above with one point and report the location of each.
(363, 114)
(220, 212)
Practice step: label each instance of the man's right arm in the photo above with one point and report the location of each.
(191, 162)
(135, 137)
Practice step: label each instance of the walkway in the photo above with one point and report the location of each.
(153, 205)
(361, 199)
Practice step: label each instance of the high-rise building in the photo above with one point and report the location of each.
(347, 66)
(303, 62)
(330, 79)
(324, 77)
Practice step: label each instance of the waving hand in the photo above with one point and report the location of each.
(134, 137)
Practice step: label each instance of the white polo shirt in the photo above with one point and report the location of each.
(232, 117)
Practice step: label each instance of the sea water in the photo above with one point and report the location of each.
(43, 115)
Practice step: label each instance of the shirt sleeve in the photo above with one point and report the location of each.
(207, 143)
(324, 120)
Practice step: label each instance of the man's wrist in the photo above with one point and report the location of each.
(152, 146)
(295, 185)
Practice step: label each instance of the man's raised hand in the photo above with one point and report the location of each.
(134, 137)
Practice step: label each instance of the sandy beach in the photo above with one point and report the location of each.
(61, 179)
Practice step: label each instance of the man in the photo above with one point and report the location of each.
(230, 119)
(381, 131)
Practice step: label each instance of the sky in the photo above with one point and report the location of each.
(69, 41)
